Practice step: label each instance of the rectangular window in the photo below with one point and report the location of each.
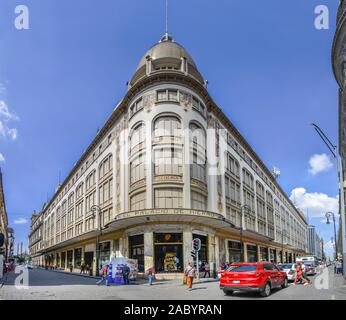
(198, 201)
(162, 95)
(169, 198)
(138, 201)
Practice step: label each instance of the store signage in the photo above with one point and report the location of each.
(149, 212)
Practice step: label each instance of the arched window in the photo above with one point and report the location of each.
(137, 164)
(167, 126)
(106, 166)
(137, 137)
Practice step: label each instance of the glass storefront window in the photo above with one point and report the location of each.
(273, 256)
(234, 251)
(77, 257)
(136, 244)
(105, 252)
(69, 258)
(168, 252)
(251, 253)
(264, 254)
(63, 260)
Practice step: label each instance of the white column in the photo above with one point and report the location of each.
(148, 250)
(187, 238)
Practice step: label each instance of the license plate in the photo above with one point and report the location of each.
(236, 281)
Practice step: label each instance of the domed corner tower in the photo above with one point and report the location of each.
(167, 172)
(166, 56)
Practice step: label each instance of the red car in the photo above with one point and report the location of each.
(259, 277)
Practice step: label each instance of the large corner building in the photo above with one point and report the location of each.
(339, 68)
(168, 166)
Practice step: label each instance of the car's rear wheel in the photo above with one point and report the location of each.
(285, 284)
(227, 292)
(266, 290)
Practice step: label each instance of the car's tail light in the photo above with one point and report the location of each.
(258, 274)
(291, 272)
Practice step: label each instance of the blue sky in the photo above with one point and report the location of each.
(268, 68)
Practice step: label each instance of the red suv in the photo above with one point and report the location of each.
(259, 277)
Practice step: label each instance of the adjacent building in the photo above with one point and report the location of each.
(35, 240)
(168, 166)
(3, 221)
(314, 243)
(339, 69)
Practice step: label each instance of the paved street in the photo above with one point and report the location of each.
(46, 285)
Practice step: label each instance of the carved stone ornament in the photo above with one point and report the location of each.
(186, 101)
(211, 122)
(148, 102)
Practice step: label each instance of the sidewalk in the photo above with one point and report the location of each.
(138, 281)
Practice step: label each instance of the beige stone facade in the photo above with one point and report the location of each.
(167, 167)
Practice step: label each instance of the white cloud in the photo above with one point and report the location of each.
(2, 158)
(20, 221)
(316, 204)
(5, 113)
(7, 132)
(319, 163)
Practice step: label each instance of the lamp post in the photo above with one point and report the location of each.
(334, 150)
(95, 208)
(328, 216)
(242, 212)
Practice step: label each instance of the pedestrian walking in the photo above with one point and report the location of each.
(335, 266)
(299, 275)
(206, 269)
(150, 276)
(104, 275)
(82, 268)
(339, 266)
(305, 276)
(190, 272)
(126, 274)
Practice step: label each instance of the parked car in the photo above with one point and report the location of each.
(259, 277)
(290, 269)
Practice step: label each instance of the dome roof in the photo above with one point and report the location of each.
(166, 48)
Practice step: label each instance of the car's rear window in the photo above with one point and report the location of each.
(247, 268)
(286, 266)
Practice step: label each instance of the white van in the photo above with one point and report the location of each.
(311, 259)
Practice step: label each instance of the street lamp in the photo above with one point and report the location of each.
(242, 212)
(328, 216)
(95, 208)
(334, 150)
